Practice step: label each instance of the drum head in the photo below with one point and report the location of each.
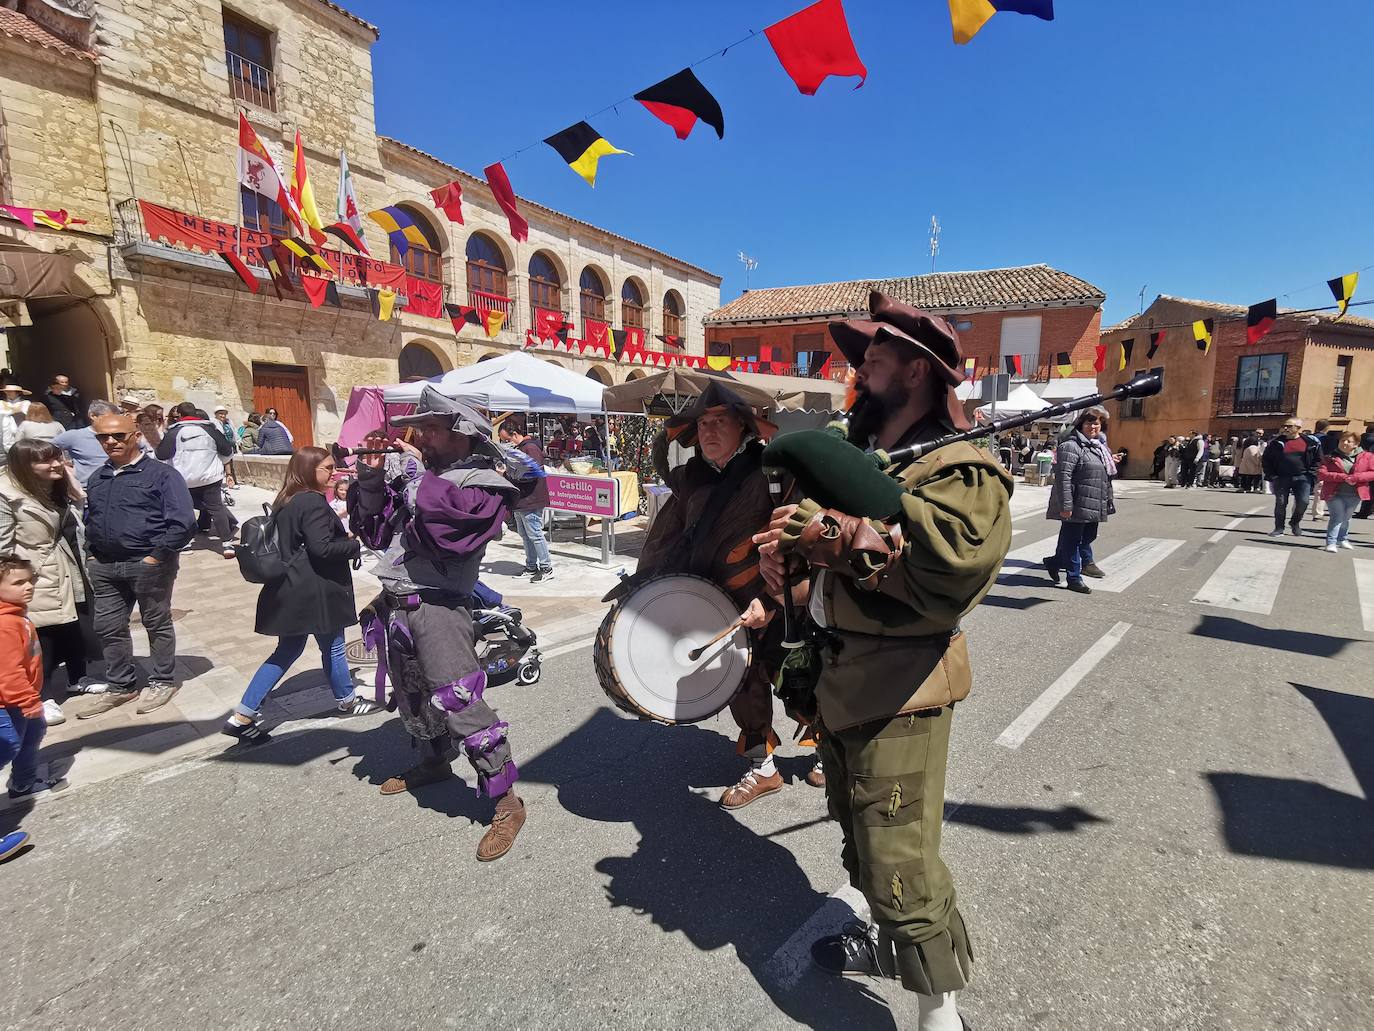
(655, 629)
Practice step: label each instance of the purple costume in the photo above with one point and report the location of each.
(435, 528)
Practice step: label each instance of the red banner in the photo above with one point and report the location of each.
(547, 323)
(424, 297)
(177, 228)
(597, 333)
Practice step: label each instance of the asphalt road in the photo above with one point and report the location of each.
(1160, 815)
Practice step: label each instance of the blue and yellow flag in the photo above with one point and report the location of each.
(400, 227)
(582, 147)
(968, 16)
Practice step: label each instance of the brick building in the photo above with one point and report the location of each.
(1034, 312)
(1313, 365)
(108, 103)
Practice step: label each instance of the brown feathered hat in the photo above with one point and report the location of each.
(931, 336)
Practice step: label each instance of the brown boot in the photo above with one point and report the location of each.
(430, 771)
(505, 825)
(816, 776)
(752, 786)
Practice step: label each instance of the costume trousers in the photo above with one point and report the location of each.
(885, 785)
(432, 651)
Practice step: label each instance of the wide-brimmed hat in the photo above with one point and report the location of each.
(931, 336)
(465, 419)
(16, 386)
(717, 397)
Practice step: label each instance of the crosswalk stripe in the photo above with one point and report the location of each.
(1235, 523)
(1128, 565)
(1247, 581)
(1028, 556)
(1364, 582)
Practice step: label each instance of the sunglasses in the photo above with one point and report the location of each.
(121, 437)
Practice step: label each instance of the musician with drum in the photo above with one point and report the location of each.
(720, 500)
(888, 594)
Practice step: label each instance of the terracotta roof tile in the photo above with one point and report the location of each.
(1240, 309)
(1028, 285)
(352, 17)
(17, 26)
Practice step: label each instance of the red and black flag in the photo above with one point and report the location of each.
(1127, 346)
(1065, 364)
(1202, 334)
(1156, 338)
(462, 315)
(1260, 319)
(1343, 288)
(331, 294)
(1013, 364)
(679, 100)
(241, 270)
(345, 233)
(815, 43)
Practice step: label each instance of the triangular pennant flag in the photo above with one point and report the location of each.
(1013, 364)
(1127, 346)
(345, 233)
(582, 147)
(24, 215)
(500, 186)
(815, 43)
(620, 337)
(244, 273)
(303, 195)
(968, 16)
(563, 331)
(679, 100)
(1100, 362)
(1260, 319)
(315, 289)
(494, 321)
(305, 251)
(331, 294)
(449, 199)
(1202, 334)
(280, 267)
(382, 303)
(1156, 338)
(1065, 364)
(462, 315)
(719, 362)
(1343, 288)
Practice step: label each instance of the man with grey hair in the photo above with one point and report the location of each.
(81, 446)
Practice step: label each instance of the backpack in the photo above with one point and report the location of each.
(259, 558)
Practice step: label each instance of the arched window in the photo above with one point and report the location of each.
(593, 295)
(631, 306)
(418, 362)
(421, 260)
(486, 268)
(546, 286)
(672, 314)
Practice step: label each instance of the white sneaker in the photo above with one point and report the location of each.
(1331, 548)
(1347, 545)
(52, 713)
(89, 685)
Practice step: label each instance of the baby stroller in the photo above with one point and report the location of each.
(504, 644)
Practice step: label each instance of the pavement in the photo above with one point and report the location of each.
(1158, 816)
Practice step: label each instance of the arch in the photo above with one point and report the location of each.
(632, 300)
(488, 261)
(635, 374)
(600, 374)
(559, 365)
(674, 312)
(489, 355)
(419, 360)
(423, 261)
(591, 286)
(546, 284)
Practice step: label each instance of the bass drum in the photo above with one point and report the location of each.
(641, 651)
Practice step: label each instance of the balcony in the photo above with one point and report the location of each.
(1340, 402)
(249, 82)
(1035, 367)
(490, 302)
(1273, 400)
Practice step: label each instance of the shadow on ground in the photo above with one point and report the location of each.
(1299, 642)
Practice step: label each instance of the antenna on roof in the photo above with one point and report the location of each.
(749, 265)
(934, 240)
(1142, 298)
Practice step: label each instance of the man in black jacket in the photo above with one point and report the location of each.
(138, 518)
(1291, 461)
(65, 403)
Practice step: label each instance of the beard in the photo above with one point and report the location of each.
(870, 411)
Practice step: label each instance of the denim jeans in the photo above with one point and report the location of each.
(1300, 487)
(1075, 548)
(288, 650)
(117, 587)
(531, 528)
(20, 737)
(1340, 507)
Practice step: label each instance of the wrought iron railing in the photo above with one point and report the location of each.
(1340, 401)
(250, 82)
(1279, 399)
(129, 227)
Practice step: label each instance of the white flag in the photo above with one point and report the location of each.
(348, 202)
(259, 172)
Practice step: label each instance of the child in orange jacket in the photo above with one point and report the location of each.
(21, 678)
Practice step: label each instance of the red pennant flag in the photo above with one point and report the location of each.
(449, 200)
(814, 43)
(315, 288)
(505, 197)
(24, 215)
(1100, 362)
(547, 323)
(244, 273)
(1260, 319)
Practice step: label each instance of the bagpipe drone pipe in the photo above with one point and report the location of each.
(835, 474)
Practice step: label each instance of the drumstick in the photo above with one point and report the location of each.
(695, 653)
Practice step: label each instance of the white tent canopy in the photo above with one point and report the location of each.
(1019, 402)
(515, 382)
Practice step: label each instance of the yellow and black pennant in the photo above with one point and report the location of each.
(305, 251)
(1202, 334)
(582, 147)
(1343, 288)
(1127, 346)
(1064, 362)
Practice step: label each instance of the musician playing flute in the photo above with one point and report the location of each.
(436, 523)
(720, 500)
(890, 595)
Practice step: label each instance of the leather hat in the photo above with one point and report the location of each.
(929, 335)
(717, 396)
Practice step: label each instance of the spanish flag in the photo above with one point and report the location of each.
(1156, 338)
(968, 16)
(1065, 364)
(582, 147)
(400, 227)
(1127, 346)
(1343, 288)
(304, 196)
(1202, 333)
(1260, 319)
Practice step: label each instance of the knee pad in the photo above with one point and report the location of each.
(485, 741)
(457, 695)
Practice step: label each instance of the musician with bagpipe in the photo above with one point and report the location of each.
(896, 559)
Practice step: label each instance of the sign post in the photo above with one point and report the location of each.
(597, 496)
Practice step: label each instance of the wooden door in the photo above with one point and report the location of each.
(287, 389)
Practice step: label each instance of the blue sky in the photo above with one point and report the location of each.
(1217, 149)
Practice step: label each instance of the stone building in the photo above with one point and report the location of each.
(1033, 313)
(108, 103)
(1312, 365)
